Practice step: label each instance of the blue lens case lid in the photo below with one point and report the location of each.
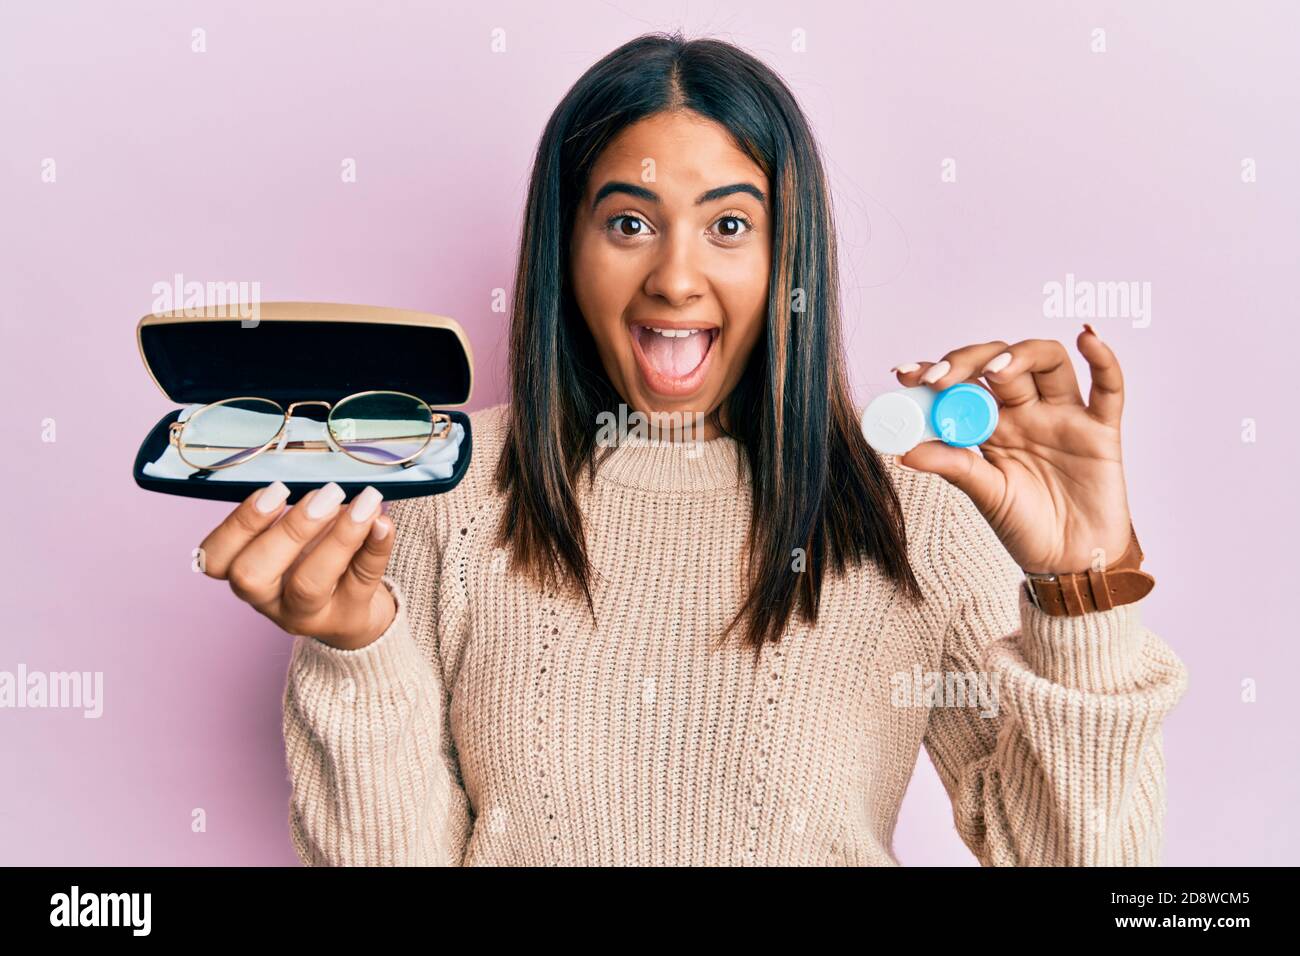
(964, 414)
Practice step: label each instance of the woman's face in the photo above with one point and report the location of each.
(671, 253)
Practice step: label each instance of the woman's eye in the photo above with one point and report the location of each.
(632, 226)
(733, 227)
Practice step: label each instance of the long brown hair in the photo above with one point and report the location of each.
(817, 485)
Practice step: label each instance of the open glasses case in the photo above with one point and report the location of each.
(302, 352)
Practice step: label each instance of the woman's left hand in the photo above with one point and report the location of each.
(1051, 479)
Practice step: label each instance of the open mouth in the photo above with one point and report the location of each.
(673, 360)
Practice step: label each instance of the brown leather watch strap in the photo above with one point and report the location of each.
(1085, 591)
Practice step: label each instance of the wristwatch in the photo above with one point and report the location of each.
(1085, 591)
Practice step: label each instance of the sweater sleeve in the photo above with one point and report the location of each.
(1066, 768)
(374, 778)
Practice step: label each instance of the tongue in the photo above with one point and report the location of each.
(676, 357)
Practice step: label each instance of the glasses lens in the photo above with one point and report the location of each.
(227, 433)
(381, 428)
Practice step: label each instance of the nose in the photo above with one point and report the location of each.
(676, 274)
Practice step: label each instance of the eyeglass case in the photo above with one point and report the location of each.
(303, 351)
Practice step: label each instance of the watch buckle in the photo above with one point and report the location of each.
(1031, 579)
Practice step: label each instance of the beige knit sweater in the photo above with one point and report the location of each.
(494, 724)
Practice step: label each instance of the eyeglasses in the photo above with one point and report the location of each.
(376, 427)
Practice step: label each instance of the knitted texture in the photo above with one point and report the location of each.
(494, 723)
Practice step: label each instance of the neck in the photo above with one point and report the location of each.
(685, 426)
(681, 427)
(686, 467)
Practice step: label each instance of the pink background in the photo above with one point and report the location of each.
(225, 166)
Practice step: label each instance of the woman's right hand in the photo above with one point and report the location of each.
(309, 573)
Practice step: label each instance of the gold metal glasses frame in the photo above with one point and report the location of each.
(440, 422)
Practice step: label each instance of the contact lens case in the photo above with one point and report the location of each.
(897, 421)
(304, 352)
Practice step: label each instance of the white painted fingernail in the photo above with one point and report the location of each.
(909, 367)
(324, 501)
(935, 372)
(271, 497)
(364, 504)
(998, 362)
(379, 530)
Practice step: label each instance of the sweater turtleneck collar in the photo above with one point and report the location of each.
(675, 466)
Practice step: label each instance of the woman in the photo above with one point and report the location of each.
(724, 641)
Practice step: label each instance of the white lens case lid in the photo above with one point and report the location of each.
(897, 421)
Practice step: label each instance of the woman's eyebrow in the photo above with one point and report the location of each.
(640, 192)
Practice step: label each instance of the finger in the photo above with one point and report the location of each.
(321, 535)
(257, 572)
(368, 565)
(1106, 397)
(910, 375)
(254, 515)
(1037, 370)
(312, 582)
(959, 365)
(982, 481)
